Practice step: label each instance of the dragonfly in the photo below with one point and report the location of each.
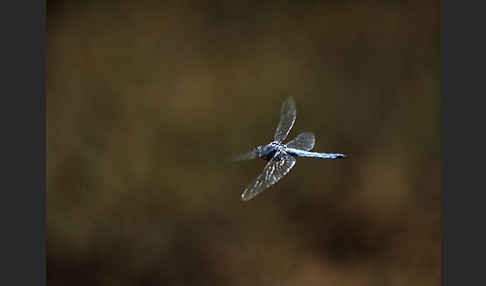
(281, 157)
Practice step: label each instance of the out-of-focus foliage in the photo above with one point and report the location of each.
(147, 101)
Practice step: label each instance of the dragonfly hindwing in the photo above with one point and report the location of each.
(275, 169)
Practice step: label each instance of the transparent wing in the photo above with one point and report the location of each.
(275, 169)
(287, 119)
(304, 141)
(247, 156)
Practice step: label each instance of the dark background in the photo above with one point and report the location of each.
(147, 100)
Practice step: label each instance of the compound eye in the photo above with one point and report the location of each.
(259, 149)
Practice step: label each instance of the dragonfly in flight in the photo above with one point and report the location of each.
(281, 157)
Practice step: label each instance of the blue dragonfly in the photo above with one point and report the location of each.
(281, 157)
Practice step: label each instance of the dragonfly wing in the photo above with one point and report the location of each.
(287, 119)
(275, 169)
(304, 141)
(247, 156)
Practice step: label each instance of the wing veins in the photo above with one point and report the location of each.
(304, 141)
(275, 170)
(287, 118)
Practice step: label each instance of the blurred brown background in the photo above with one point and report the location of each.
(147, 100)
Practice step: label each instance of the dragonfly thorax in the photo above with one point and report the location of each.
(268, 151)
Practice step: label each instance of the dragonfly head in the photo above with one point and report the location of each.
(259, 151)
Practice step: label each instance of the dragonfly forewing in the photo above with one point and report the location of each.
(247, 156)
(275, 169)
(287, 119)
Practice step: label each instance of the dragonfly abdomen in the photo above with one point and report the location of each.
(302, 153)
